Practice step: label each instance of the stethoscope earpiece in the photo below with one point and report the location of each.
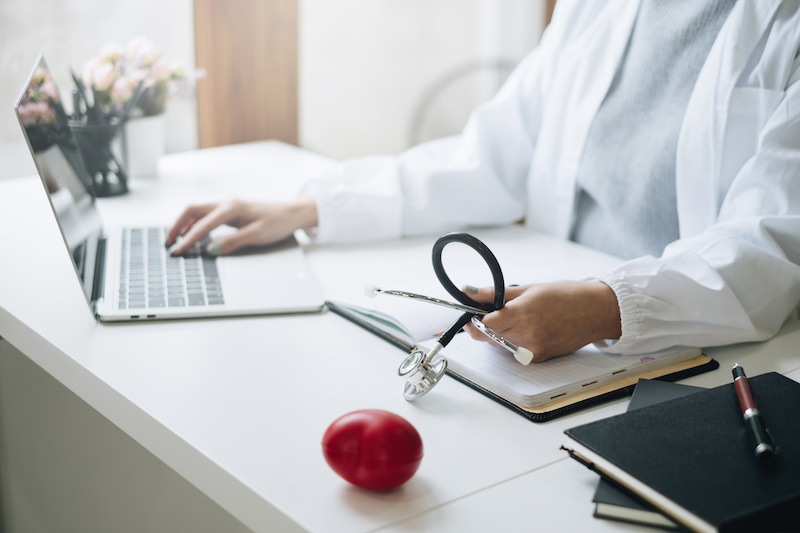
(371, 291)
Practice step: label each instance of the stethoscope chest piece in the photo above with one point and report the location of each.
(422, 372)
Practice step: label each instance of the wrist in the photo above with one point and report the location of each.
(608, 320)
(305, 213)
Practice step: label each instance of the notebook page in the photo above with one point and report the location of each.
(409, 319)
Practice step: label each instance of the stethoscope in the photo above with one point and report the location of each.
(422, 371)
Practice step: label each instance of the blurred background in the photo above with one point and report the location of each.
(344, 78)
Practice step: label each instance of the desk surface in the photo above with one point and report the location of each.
(238, 406)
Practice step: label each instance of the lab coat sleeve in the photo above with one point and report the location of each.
(478, 178)
(739, 279)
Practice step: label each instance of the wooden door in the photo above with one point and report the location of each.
(249, 51)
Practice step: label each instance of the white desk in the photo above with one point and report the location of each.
(238, 406)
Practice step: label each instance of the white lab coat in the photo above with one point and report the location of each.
(733, 275)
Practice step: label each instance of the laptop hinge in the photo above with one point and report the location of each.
(99, 270)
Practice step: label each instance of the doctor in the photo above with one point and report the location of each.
(667, 133)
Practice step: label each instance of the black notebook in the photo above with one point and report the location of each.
(692, 457)
(614, 502)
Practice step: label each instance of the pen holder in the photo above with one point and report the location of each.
(101, 148)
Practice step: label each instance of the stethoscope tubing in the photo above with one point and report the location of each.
(486, 254)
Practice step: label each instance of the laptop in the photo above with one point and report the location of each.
(126, 273)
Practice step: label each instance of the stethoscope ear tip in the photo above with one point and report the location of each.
(370, 291)
(523, 355)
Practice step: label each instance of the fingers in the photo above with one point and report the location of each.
(499, 321)
(522, 354)
(249, 235)
(185, 221)
(200, 228)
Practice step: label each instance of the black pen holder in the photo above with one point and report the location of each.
(101, 148)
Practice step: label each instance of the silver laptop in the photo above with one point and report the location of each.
(126, 273)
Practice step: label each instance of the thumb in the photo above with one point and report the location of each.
(230, 243)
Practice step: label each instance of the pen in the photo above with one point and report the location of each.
(765, 449)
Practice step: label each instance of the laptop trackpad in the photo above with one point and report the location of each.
(275, 279)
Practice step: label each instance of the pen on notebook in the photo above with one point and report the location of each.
(764, 448)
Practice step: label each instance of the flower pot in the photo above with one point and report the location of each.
(144, 145)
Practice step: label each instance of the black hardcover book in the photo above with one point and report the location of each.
(692, 457)
(614, 502)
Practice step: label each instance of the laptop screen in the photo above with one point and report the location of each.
(55, 152)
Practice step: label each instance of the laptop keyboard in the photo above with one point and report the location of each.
(151, 278)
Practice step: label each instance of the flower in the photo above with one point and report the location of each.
(114, 75)
(122, 90)
(39, 109)
(38, 104)
(142, 52)
(112, 52)
(100, 75)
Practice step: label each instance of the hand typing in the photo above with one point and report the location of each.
(259, 223)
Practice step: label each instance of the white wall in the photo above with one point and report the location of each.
(68, 32)
(364, 64)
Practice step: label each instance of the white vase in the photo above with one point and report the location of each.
(144, 145)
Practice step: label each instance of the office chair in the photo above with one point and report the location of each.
(445, 105)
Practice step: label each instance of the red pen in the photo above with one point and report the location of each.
(764, 448)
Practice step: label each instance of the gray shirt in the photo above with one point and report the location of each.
(626, 180)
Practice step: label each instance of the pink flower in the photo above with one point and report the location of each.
(98, 74)
(45, 112)
(116, 72)
(122, 89)
(48, 88)
(142, 51)
(28, 113)
(160, 71)
(103, 76)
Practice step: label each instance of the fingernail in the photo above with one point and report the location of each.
(214, 249)
(470, 289)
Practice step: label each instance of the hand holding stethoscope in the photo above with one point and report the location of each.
(423, 371)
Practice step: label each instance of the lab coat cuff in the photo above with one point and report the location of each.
(630, 317)
(357, 201)
(324, 231)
